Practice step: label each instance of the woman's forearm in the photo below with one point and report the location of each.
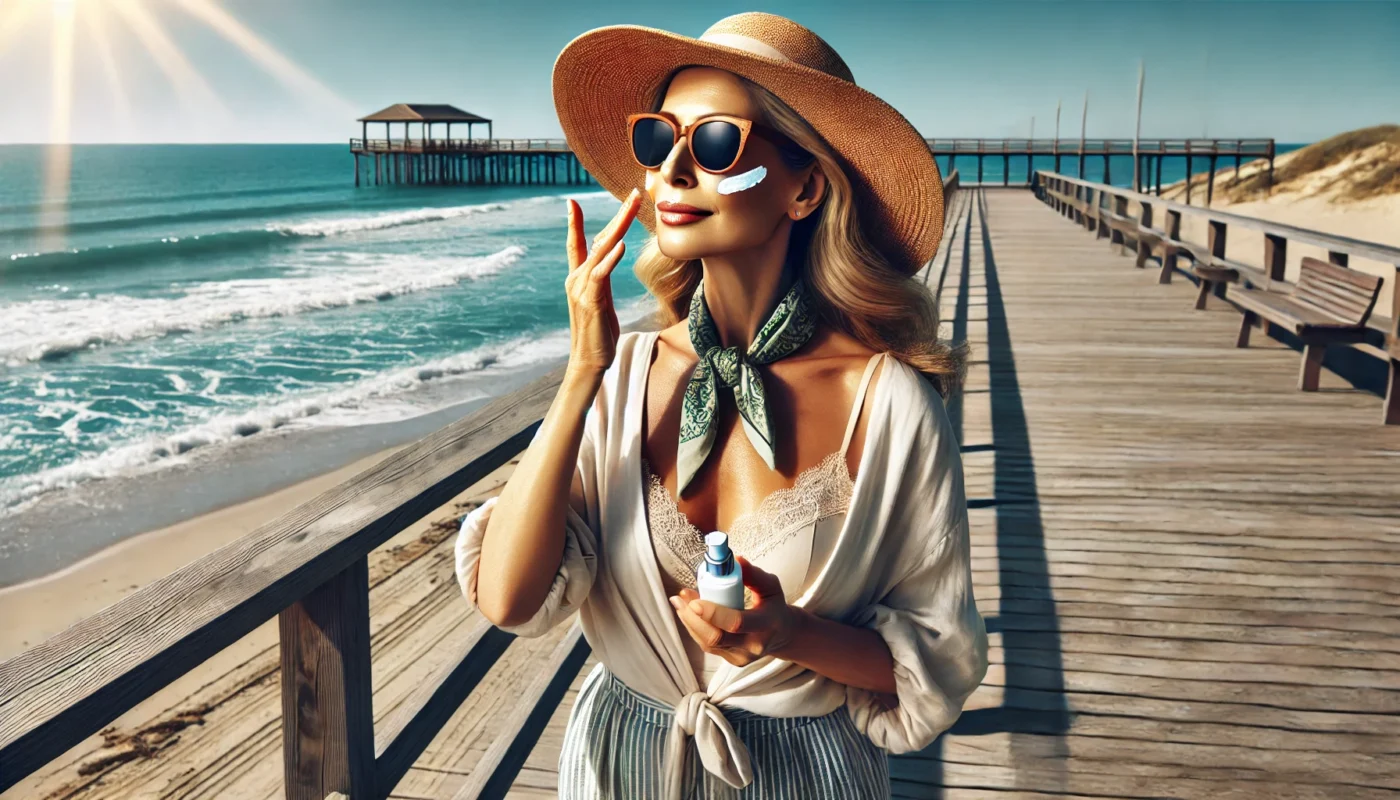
(844, 653)
(523, 544)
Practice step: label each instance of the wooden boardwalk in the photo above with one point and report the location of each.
(1190, 570)
(1189, 567)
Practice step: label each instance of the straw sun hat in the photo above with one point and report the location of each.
(607, 73)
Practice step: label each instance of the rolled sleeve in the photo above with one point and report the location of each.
(939, 645)
(578, 565)
(572, 582)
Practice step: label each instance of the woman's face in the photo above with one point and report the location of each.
(727, 222)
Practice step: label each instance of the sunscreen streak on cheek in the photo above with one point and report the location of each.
(742, 181)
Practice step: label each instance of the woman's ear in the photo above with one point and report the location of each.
(813, 190)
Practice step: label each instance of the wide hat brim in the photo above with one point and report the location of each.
(607, 73)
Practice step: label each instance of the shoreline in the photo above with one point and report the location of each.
(71, 526)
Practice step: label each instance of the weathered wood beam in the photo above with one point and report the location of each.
(327, 711)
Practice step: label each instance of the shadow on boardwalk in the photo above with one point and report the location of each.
(1033, 700)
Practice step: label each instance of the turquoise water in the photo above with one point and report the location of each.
(187, 297)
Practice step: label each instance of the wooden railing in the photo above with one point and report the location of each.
(458, 145)
(308, 568)
(1091, 205)
(1255, 148)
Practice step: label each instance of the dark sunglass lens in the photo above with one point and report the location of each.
(715, 144)
(651, 141)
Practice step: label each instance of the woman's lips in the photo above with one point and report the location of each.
(681, 218)
(679, 213)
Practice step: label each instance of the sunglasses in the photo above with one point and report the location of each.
(715, 141)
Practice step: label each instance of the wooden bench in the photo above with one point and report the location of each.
(1126, 226)
(1212, 271)
(1328, 304)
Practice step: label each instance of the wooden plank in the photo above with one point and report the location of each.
(403, 736)
(494, 773)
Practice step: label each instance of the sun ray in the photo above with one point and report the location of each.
(284, 69)
(93, 14)
(188, 83)
(58, 164)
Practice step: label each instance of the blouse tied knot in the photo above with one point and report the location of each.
(721, 751)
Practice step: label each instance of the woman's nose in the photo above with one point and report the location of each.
(677, 170)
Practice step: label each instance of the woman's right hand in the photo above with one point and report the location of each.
(593, 327)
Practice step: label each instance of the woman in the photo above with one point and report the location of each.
(790, 209)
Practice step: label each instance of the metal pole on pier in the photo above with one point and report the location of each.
(1137, 131)
(1083, 123)
(1030, 152)
(1058, 103)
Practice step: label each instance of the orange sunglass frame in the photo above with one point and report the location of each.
(745, 126)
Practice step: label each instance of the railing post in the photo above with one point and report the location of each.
(1120, 207)
(1144, 222)
(1170, 259)
(327, 720)
(1390, 413)
(1275, 257)
(1216, 240)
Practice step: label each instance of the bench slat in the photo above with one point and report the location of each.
(1321, 268)
(1344, 293)
(1345, 308)
(1340, 291)
(1282, 310)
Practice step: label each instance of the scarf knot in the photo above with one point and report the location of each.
(788, 327)
(726, 362)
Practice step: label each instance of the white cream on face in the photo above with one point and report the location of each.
(742, 181)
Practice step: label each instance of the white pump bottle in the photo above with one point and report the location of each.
(719, 578)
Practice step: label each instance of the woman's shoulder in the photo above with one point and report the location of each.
(915, 412)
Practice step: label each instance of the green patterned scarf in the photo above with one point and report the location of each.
(789, 327)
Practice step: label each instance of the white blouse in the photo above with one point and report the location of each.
(900, 566)
(789, 535)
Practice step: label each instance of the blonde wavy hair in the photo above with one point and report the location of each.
(854, 287)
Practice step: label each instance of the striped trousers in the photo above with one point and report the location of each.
(614, 748)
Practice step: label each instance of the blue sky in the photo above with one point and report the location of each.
(1297, 71)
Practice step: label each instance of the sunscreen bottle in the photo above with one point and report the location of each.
(719, 577)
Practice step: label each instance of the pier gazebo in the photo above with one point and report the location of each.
(426, 114)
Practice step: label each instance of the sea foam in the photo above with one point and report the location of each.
(37, 329)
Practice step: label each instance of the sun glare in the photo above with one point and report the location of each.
(143, 21)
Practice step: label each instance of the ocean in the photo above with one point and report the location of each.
(196, 299)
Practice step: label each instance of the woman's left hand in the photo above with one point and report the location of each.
(742, 636)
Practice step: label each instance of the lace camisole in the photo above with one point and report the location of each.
(790, 534)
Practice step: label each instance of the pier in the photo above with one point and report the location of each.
(1149, 154)
(446, 161)
(1187, 565)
